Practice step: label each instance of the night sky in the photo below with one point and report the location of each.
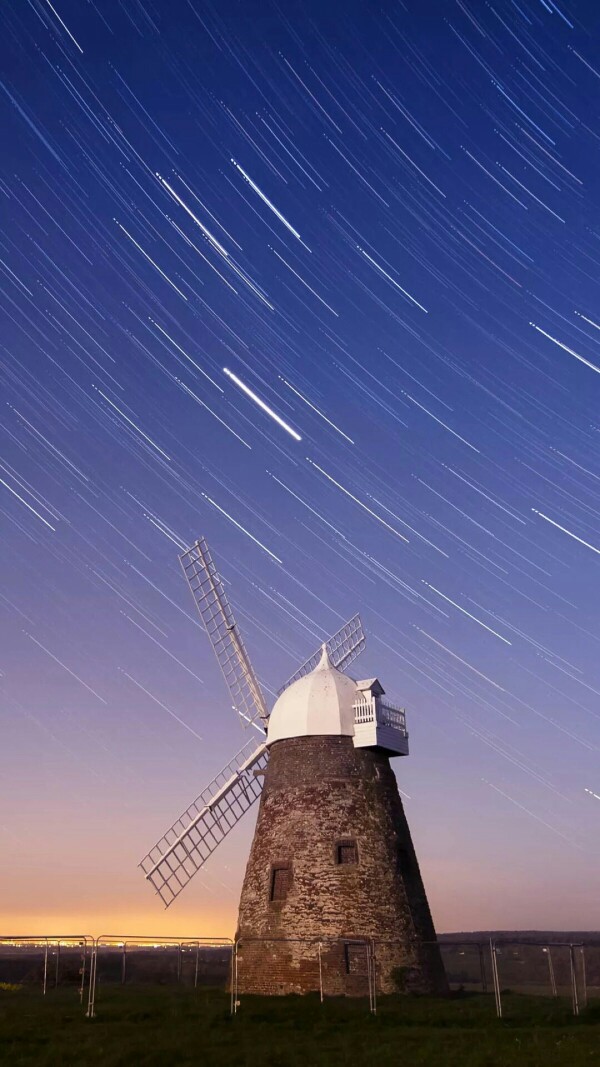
(380, 220)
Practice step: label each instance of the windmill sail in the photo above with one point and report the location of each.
(186, 846)
(216, 614)
(342, 648)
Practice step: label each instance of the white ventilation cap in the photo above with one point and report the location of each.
(316, 704)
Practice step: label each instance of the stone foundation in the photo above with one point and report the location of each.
(324, 801)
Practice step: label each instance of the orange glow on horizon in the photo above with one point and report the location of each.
(150, 923)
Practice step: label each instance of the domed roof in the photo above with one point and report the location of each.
(318, 703)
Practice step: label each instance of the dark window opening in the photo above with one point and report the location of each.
(346, 852)
(355, 958)
(280, 882)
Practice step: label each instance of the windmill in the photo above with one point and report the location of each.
(330, 811)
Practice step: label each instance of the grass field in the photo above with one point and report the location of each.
(148, 1026)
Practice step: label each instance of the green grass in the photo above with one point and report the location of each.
(148, 1026)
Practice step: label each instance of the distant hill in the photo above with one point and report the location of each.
(543, 937)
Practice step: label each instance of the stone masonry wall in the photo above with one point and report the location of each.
(320, 791)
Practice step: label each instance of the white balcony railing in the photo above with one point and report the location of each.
(373, 709)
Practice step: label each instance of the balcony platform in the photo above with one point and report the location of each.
(378, 724)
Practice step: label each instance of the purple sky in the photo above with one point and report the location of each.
(385, 225)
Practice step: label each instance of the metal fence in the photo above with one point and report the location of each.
(329, 967)
(555, 969)
(119, 960)
(47, 961)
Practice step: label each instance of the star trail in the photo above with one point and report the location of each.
(319, 282)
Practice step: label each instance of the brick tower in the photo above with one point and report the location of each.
(332, 869)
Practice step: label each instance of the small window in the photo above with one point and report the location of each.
(355, 958)
(280, 882)
(346, 853)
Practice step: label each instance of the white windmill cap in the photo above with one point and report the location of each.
(318, 703)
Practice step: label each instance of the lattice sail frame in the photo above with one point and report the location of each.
(195, 835)
(216, 614)
(342, 648)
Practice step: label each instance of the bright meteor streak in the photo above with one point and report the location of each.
(390, 279)
(132, 423)
(313, 408)
(261, 404)
(54, 12)
(242, 528)
(14, 492)
(465, 612)
(359, 502)
(564, 530)
(463, 661)
(270, 205)
(209, 236)
(566, 348)
(161, 705)
(64, 666)
(528, 811)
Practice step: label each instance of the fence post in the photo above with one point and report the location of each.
(551, 971)
(371, 958)
(45, 978)
(574, 996)
(83, 961)
(584, 976)
(234, 985)
(482, 968)
(496, 979)
(197, 965)
(92, 987)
